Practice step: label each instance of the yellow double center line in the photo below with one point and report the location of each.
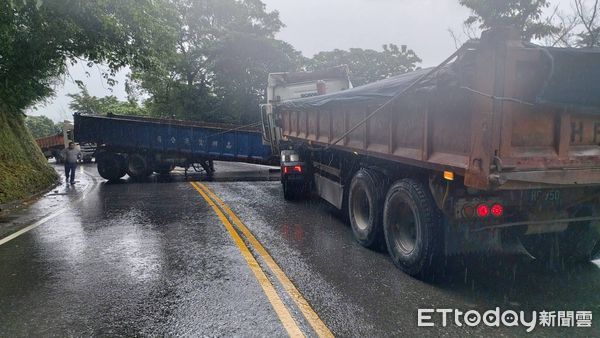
(281, 310)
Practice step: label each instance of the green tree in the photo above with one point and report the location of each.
(367, 65)
(41, 126)
(40, 36)
(37, 40)
(524, 15)
(83, 102)
(192, 82)
(241, 64)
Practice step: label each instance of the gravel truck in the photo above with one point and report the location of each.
(495, 150)
(52, 146)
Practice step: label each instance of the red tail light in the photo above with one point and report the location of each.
(497, 210)
(483, 210)
(292, 169)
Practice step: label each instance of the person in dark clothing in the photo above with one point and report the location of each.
(71, 155)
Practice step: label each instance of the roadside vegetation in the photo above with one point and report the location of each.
(196, 59)
(23, 168)
(42, 126)
(37, 40)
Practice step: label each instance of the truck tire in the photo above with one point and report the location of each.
(579, 243)
(111, 166)
(137, 167)
(365, 207)
(411, 224)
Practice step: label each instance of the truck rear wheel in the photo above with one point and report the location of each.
(137, 167)
(411, 225)
(111, 166)
(365, 207)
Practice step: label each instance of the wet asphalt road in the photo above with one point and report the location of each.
(153, 258)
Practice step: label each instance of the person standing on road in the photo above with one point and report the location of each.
(71, 155)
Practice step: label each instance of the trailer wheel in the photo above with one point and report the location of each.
(365, 207)
(111, 166)
(411, 224)
(137, 167)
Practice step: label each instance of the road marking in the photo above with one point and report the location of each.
(311, 316)
(45, 219)
(281, 310)
(33, 226)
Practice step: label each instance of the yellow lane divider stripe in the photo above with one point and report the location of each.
(282, 312)
(311, 316)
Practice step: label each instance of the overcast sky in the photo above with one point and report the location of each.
(320, 25)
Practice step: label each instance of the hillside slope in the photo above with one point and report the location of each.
(23, 168)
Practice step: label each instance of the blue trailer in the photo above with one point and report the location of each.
(140, 146)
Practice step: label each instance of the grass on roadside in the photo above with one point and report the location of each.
(24, 170)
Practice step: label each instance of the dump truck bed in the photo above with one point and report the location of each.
(49, 142)
(496, 116)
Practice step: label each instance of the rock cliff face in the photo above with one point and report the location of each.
(23, 168)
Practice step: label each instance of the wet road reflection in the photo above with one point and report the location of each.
(152, 258)
(360, 292)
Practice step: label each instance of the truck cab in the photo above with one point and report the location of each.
(289, 86)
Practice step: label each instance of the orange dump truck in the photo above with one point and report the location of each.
(52, 146)
(497, 149)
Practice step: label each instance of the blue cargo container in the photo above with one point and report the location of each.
(139, 146)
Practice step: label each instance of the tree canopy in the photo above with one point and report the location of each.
(39, 37)
(83, 102)
(41, 126)
(524, 15)
(367, 65)
(193, 59)
(218, 68)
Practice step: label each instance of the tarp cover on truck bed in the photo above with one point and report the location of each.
(374, 93)
(573, 80)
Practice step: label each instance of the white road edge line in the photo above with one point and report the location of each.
(45, 219)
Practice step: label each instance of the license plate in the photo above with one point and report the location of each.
(551, 196)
